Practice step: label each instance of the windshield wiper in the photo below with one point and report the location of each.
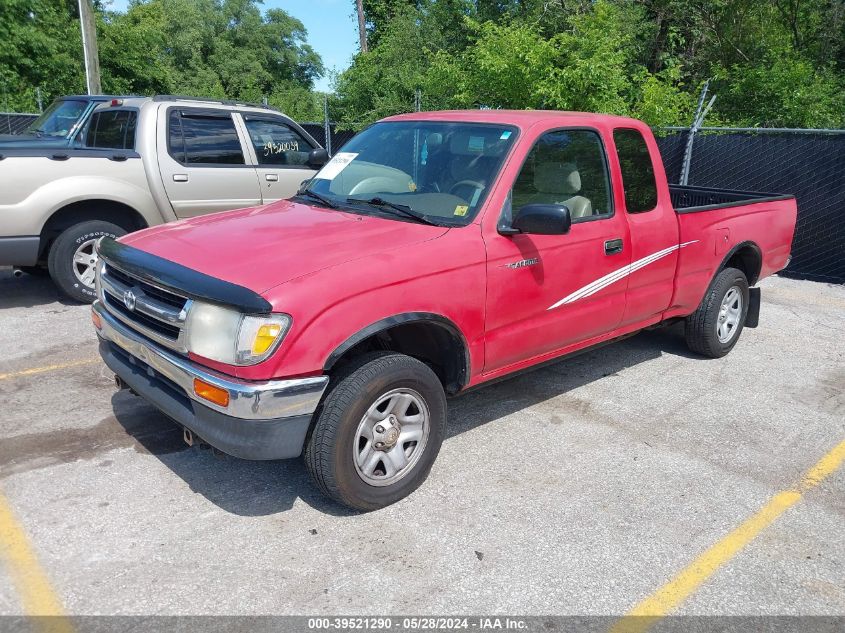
(307, 193)
(407, 211)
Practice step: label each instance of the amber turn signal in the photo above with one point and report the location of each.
(211, 393)
(95, 319)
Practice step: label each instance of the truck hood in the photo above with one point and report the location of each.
(262, 247)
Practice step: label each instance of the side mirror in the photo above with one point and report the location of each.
(543, 219)
(317, 158)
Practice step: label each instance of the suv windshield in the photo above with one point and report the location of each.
(60, 119)
(440, 171)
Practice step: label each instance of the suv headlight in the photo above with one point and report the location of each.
(227, 336)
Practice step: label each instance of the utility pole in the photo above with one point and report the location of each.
(362, 26)
(89, 47)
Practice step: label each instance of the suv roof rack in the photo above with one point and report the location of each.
(229, 102)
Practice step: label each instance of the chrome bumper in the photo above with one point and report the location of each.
(247, 400)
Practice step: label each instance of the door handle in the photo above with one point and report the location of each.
(613, 247)
(180, 177)
(272, 177)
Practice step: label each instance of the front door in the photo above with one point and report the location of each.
(546, 292)
(281, 153)
(202, 163)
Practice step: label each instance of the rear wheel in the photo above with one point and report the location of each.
(378, 431)
(72, 259)
(714, 328)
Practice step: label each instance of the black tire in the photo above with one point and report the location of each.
(60, 259)
(329, 449)
(701, 326)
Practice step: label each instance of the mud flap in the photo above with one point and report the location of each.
(752, 319)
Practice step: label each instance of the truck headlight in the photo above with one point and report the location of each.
(227, 336)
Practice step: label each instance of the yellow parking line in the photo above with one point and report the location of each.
(644, 615)
(33, 587)
(41, 370)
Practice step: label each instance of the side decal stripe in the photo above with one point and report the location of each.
(617, 275)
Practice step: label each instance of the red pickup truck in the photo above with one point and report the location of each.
(438, 251)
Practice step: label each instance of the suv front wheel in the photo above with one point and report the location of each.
(72, 259)
(378, 431)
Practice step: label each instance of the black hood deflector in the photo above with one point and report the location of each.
(181, 279)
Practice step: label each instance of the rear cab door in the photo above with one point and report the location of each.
(651, 220)
(203, 160)
(279, 149)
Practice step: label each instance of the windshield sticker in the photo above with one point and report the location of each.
(336, 165)
(412, 186)
(476, 144)
(505, 135)
(461, 209)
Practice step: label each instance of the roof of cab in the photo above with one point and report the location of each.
(520, 118)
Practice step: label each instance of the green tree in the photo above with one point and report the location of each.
(212, 48)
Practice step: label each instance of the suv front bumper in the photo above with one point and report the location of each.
(264, 420)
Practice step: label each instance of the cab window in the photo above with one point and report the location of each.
(637, 170)
(566, 167)
(277, 144)
(111, 129)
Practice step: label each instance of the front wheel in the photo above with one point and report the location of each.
(72, 259)
(378, 432)
(714, 328)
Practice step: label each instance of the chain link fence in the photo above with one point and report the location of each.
(809, 164)
(337, 137)
(15, 123)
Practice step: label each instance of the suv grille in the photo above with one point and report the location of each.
(155, 312)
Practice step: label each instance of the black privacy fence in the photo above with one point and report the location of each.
(337, 137)
(809, 165)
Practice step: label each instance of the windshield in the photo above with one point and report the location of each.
(438, 170)
(60, 119)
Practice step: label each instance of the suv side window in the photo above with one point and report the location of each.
(277, 144)
(112, 129)
(637, 170)
(566, 167)
(200, 139)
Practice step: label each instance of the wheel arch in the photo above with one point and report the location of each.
(429, 337)
(745, 256)
(93, 209)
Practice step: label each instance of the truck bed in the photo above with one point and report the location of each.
(687, 199)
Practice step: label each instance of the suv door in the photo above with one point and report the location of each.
(202, 161)
(547, 292)
(281, 154)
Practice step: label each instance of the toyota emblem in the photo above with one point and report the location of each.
(129, 299)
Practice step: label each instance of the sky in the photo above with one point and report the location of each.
(331, 25)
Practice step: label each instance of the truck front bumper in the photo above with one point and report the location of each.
(264, 420)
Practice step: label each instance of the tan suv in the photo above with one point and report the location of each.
(141, 162)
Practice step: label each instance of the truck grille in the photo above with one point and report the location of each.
(156, 312)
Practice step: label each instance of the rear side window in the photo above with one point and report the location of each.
(277, 144)
(112, 129)
(203, 140)
(637, 171)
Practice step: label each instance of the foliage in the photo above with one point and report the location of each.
(213, 48)
(771, 62)
(40, 49)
